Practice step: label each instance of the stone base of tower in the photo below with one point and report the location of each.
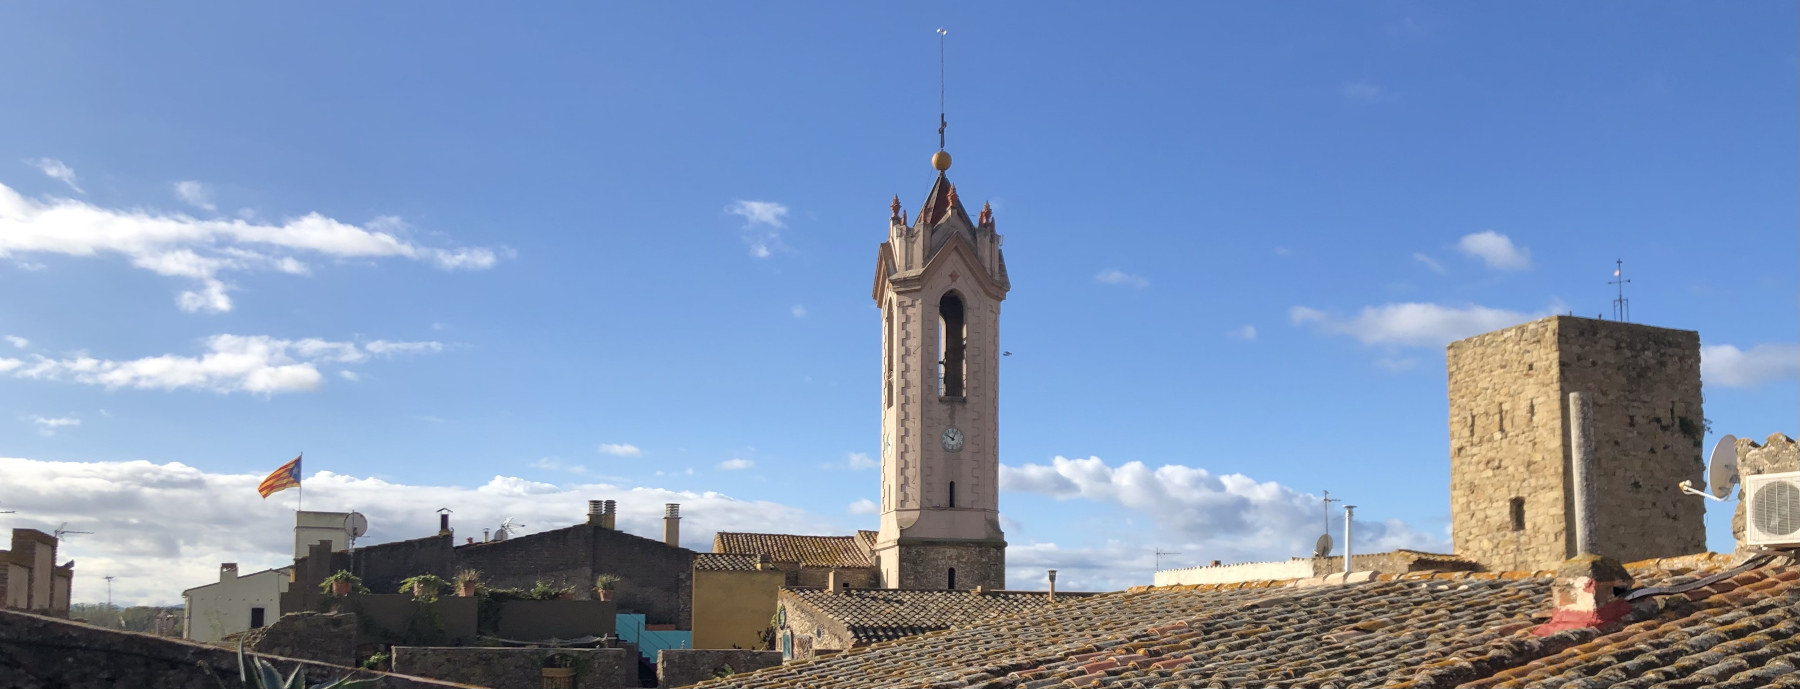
(942, 564)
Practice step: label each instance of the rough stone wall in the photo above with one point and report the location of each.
(818, 577)
(681, 667)
(1649, 427)
(39, 652)
(805, 630)
(1509, 427)
(1507, 442)
(383, 566)
(1775, 455)
(516, 668)
(927, 565)
(324, 637)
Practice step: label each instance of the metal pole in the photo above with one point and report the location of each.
(1582, 473)
(1348, 510)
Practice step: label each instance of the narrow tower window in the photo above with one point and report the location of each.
(952, 578)
(951, 340)
(1518, 514)
(952, 493)
(887, 379)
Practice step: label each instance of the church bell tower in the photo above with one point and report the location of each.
(939, 281)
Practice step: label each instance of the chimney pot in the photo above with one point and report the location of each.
(443, 523)
(1053, 586)
(596, 514)
(609, 518)
(831, 582)
(227, 571)
(1215, 563)
(1588, 594)
(672, 524)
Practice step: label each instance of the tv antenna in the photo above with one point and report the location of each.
(108, 579)
(1621, 305)
(506, 529)
(63, 530)
(1159, 554)
(1721, 471)
(1322, 547)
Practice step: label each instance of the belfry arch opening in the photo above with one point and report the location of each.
(953, 338)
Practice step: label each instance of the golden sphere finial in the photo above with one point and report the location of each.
(940, 160)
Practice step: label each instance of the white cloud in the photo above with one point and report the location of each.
(1396, 364)
(552, 464)
(1429, 263)
(156, 552)
(858, 460)
(17, 341)
(1247, 332)
(620, 449)
(1496, 250)
(798, 311)
(736, 464)
(50, 426)
(762, 224)
(1414, 324)
(349, 375)
(195, 193)
(57, 170)
(1230, 514)
(1728, 366)
(1283, 251)
(1361, 91)
(1113, 276)
(233, 363)
(864, 506)
(176, 245)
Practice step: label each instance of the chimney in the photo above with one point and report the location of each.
(227, 571)
(609, 514)
(672, 524)
(484, 535)
(1053, 586)
(1582, 474)
(596, 512)
(443, 523)
(1215, 563)
(831, 582)
(1348, 510)
(1590, 592)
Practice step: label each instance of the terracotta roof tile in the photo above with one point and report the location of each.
(725, 562)
(808, 551)
(1471, 631)
(873, 615)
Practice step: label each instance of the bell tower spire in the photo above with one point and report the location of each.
(939, 283)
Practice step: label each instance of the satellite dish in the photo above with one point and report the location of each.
(1722, 471)
(356, 524)
(506, 527)
(1323, 546)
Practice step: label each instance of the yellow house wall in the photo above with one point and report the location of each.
(732, 608)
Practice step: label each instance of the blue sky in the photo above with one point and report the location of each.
(507, 260)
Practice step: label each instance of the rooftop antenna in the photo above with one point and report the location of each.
(942, 123)
(1322, 547)
(1621, 305)
(506, 529)
(108, 579)
(63, 530)
(1159, 554)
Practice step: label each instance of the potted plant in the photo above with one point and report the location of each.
(466, 581)
(604, 585)
(341, 583)
(559, 671)
(423, 586)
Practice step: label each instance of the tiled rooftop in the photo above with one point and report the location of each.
(725, 562)
(1421, 629)
(809, 551)
(881, 614)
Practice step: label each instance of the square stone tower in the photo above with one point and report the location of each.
(1511, 499)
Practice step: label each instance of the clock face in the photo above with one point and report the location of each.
(952, 439)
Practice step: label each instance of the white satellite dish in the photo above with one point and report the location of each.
(356, 524)
(1722, 470)
(1322, 548)
(506, 529)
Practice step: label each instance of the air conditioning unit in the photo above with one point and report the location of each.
(1772, 509)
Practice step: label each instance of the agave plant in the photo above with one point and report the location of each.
(265, 676)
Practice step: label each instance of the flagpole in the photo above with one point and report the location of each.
(299, 490)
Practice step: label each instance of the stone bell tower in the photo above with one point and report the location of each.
(939, 281)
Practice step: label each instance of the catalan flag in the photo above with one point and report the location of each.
(288, 476)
